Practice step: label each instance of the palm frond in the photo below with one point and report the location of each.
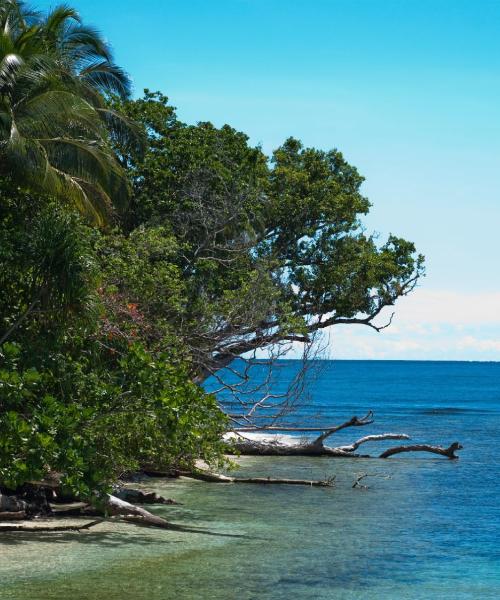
(108, 78)
(56, 132)
(124, 132)
(9, 66)
(29, 159)
(83, 41)
(7, 45)
(59, 18)
(55, 113)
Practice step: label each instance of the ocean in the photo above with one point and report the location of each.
(425, 527)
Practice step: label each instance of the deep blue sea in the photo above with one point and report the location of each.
(426, 528)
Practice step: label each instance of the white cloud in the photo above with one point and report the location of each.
(429, 325)
(447, 307)
(479, 344)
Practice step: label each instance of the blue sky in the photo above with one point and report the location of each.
(408, 90)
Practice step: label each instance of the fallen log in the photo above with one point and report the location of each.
(140, 516)
(71, 509)
(217, 478)
(117, 507)
(247, 442)
(296, 447)
(248, 447)
(300, 447)
(448, 452)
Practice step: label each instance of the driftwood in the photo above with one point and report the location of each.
(275, 446)
(448, 452)
(373, 438)
(315, 447)
(357, 482)
(140, 516)
(112, 506)
(135, 514)
(72, 509)
(217, 478)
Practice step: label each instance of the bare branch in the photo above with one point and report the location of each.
(373, 438)
(216, 478)
(448, 452)
(357, 482)
(353, 422)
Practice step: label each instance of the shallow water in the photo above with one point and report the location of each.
(427, 528)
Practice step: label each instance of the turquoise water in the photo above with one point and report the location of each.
(427, 528)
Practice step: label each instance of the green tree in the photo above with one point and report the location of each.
(84, 389)
(55, 126)
(93, 417)
(48, 267)
(271, 249)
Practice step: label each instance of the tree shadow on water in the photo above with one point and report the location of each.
(112, 538)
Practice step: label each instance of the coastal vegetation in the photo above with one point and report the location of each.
(141, 255)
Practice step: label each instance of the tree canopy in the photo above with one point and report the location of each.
(270, 249)
(55, 127)
(214, 252)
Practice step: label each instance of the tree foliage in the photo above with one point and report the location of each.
(271, 249)
(54, 124)
(220, 252)
(83, 390)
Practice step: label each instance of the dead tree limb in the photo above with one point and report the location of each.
(130, 512)
(217, 478)
(373, 438)
(250, 447)
(326, 431)
(353, 422)
(140, 516)
(276, 445)
(448, 452)
(315, 447)
(357, 482)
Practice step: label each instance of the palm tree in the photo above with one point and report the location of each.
(55, 75)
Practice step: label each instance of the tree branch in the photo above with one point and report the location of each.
(217, 478)
(373, 438)
(448, 452)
